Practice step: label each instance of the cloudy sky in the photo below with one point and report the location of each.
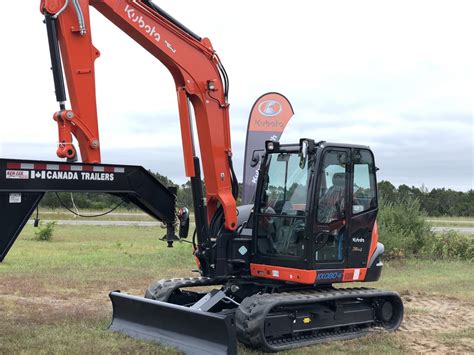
(397, 76)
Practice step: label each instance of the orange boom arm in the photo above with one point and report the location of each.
(198, 74)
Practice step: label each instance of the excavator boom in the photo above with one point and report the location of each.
(200, 79)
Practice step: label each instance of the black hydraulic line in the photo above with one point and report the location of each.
(170, 18)
(235, 182)
(286, 180)
(88, 216)
(194, 238)
(216, 222)
(225, 78)
(56, 65)
(200, 211)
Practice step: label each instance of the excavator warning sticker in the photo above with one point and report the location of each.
(17, 174)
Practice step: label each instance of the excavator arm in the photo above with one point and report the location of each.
(200, 79)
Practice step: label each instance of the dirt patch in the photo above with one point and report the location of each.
(68, 287)
(18, 284)
(48, 310)
(429, 318)
(27, 300)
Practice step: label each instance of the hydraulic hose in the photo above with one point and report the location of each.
(56, 15)
(79, 13)
(235, 183)
(80, 17)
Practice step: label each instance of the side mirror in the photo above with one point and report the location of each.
(256, 157)
(183, 217)
(303, 153)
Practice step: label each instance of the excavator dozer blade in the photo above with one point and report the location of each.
(189, 330)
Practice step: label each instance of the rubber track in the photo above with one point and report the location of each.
(250, 316)
(162, 289)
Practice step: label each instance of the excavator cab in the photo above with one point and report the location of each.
(315, 209)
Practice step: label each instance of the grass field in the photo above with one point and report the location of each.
(133, 215)
(118, 215)
(451, 221)
(54, 295)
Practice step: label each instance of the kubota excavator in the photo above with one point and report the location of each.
(273, 265)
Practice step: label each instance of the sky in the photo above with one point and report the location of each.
(397, 76)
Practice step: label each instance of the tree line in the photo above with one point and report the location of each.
(434, 203)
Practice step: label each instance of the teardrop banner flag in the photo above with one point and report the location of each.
(269, 116)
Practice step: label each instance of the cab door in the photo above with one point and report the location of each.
(362, 211)
(330, 211)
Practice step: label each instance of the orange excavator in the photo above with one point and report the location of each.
(270, 267)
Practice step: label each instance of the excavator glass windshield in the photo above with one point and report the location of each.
(281, 215)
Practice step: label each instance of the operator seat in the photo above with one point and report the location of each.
(331, 209)
(333, 201)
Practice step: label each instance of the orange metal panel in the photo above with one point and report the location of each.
(373, 243)
(186, 133)
(351, 275)
(283, 273)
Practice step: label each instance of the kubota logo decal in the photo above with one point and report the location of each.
(140, 21)
(270, 108)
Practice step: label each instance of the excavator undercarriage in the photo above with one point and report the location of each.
(274, 319)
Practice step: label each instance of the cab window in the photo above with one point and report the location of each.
(332, 187)
(282, 211)
(364, 185)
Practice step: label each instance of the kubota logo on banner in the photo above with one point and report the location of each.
(268, 118)
(270, 108)
(270, 113)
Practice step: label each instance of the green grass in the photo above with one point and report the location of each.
(118, 215)
(85, 256)
(451, 221)
(54, 295)
(446, 278)
(454, 337)
(72, 337)
(80, 264)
